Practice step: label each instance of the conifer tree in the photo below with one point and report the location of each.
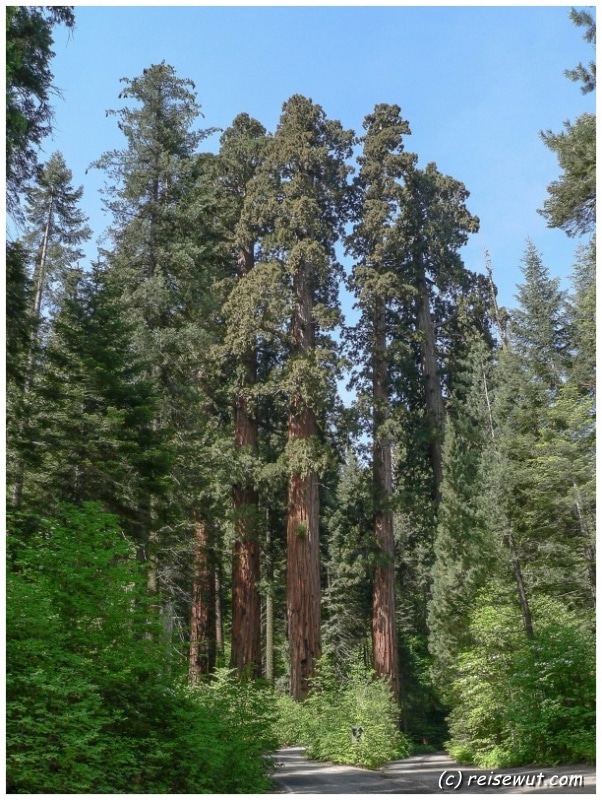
(434, 225)
(28, 87)
(93, 410)
(241, 151)
(378, 284)
(571, 202)
(300, 194)
(55, 230)
(464, 554)
(165, 260)
(348, 595)
(582, 319)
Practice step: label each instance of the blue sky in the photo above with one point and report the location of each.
(477, 84)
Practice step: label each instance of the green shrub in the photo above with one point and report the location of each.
(291, 724)
(90, 706)
(522, 701)
(324, 722)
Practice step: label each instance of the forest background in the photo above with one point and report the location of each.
(187, 489)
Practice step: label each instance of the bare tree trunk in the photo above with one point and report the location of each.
(202, 620)
(269, 611)
(302, 535)
(384, 637)
(303, 573)
(219, 617)
(269, 636)
(246, 602)
(520, 584)
(432, 385)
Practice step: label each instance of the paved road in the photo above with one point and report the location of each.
(428, 774)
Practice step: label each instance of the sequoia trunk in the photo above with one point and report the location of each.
(384, 637)
(303, 551)
(202, 620)
(246, 603)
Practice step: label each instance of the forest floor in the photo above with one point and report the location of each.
(425, 774)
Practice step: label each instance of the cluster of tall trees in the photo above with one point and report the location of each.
(188, 380)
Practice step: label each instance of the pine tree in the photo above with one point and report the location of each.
(28, 88)
(55, 230)
(463, 549)
(434, 225)
(92, 411)
(571, 204)
(538, 328)
(348, 595)
(165, 259)
(582, 319)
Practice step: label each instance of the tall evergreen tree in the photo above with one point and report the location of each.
(348, 595)
(378, 284)
(434, 225)
(165, 260)
(300, 193)
(538, 328)
(28, 89)
(93, 410)
(463, 548)
(241, 151)
(55, 230)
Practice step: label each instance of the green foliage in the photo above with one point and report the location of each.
(28, 88)
(522, 701)
(90, 704)
(571, 204)
(291, 721)
(324, 721)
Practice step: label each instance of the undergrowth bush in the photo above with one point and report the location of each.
(90, 705)
(324, 722)
(521, 701)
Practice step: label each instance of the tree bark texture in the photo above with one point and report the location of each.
(303, 550)
(269, 609)
(303, 575)
(202, 619)
(432, 385)
(246, 602)
(384, 636)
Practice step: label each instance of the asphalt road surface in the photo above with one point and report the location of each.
(427, 774)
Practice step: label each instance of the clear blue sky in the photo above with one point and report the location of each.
(477, 84)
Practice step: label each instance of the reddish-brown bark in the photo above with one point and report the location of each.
(246, 601)
(303, 548)
(384, 636)
(303, 568)
(202, 619)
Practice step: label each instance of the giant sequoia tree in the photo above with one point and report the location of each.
(378, 284)
(241, 152)
(187, 384)
(300, 192)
